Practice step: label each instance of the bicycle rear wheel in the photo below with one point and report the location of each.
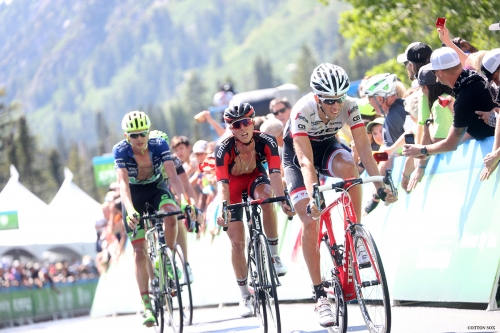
(185, 291)
(333, 288)
(371, 285)
(268, 286)
(171, 293)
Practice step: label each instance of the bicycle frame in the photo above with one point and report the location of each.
(346, 277)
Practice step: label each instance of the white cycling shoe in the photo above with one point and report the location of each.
(246, 306)
(280, 268)
(324, 312)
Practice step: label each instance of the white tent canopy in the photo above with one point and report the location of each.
(66, 225)
(32, 212)
(73, 213)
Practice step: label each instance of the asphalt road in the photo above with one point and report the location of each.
(296, 318)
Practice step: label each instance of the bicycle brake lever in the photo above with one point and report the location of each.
(388, 181)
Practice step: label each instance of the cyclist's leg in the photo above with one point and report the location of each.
(338, 162)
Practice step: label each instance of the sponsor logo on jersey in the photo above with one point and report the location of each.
(297, 116)
(356, 118)
(222, 147)
(269, 139)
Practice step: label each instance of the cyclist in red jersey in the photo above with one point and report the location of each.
(239, 159)
(310, 146)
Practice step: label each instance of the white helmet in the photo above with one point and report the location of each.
(380, 85)
(329, 79)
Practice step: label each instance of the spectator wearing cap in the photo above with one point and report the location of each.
(374, 130)
(495, 26)
(280, 108)
(416, 56)
(444, 36)
(490, 67)
(468, 88)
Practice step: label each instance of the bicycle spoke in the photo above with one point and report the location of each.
(371, 285)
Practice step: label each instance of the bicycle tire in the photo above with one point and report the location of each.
(185, 293)
(158, 312)
(255, 278)
(333, 288)
(372, 293)
(171, 292)
(268, 286)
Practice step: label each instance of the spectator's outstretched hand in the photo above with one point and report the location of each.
(405, 182)
(413, 151)
(485, 115)
(415, 179)
(490, 164)
(444, 35)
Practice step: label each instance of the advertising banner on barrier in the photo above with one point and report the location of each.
(17, 303)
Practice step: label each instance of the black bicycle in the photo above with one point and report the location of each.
(166, 289)
(260, 266)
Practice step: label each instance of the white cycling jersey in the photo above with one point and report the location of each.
(304, 120)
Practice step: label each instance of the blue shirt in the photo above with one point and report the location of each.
(159, 152)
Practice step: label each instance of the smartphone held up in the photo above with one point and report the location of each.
(440, 22)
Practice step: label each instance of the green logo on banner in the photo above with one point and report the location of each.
(9, 220)
(104, 170)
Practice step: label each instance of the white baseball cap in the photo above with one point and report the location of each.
(402, 57)
(490, 63)
(495, 26)
(200, 146)
(443, 58)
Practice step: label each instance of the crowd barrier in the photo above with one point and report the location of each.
(438, 244)
(22, 305)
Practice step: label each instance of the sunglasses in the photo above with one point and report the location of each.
(331, 101)
(278, 111)
(243, 122)
(136, 135)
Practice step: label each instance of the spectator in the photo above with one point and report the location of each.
(475, 60)
(381, 91)
(468, 87)
(258, 121)
(374, 130)
(280, 108)
(275, 127)
(464, 45)
(206, 116)
(224, 95)
(182, 149)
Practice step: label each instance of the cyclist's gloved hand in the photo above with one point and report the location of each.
(312, 210)
(132, 219)
(387, 196)
(286, 209)
(381, 193)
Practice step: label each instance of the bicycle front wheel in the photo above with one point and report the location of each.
(185, 284)
(171, 291)
(158, 311)
(333, 288)
(268, 286)
(370, 283)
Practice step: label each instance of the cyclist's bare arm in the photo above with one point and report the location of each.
(174, 180)
(125, 196)
(223, 193)
(305, 156)
(365, 153)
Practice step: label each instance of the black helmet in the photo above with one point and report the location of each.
(237, 111)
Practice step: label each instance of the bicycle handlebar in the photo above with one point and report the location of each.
(348, 183)
(243, 204)
(157, 215)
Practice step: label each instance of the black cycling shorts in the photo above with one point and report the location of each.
(293, 173)
(156, 194)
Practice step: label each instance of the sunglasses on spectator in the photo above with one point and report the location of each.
(243, 122)
(136, 135)
(278, 111)
(331, 101)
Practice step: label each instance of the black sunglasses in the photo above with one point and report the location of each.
(331, 101)
(278, 111)
(245, 122)
(136, 135)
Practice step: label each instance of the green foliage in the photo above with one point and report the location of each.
(305, 66)
(263, 73)
(372, 25)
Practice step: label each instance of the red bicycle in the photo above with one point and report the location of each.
(346, 276)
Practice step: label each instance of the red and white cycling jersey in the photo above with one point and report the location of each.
(304, 120)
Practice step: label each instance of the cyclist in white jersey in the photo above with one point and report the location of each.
(310, 145)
